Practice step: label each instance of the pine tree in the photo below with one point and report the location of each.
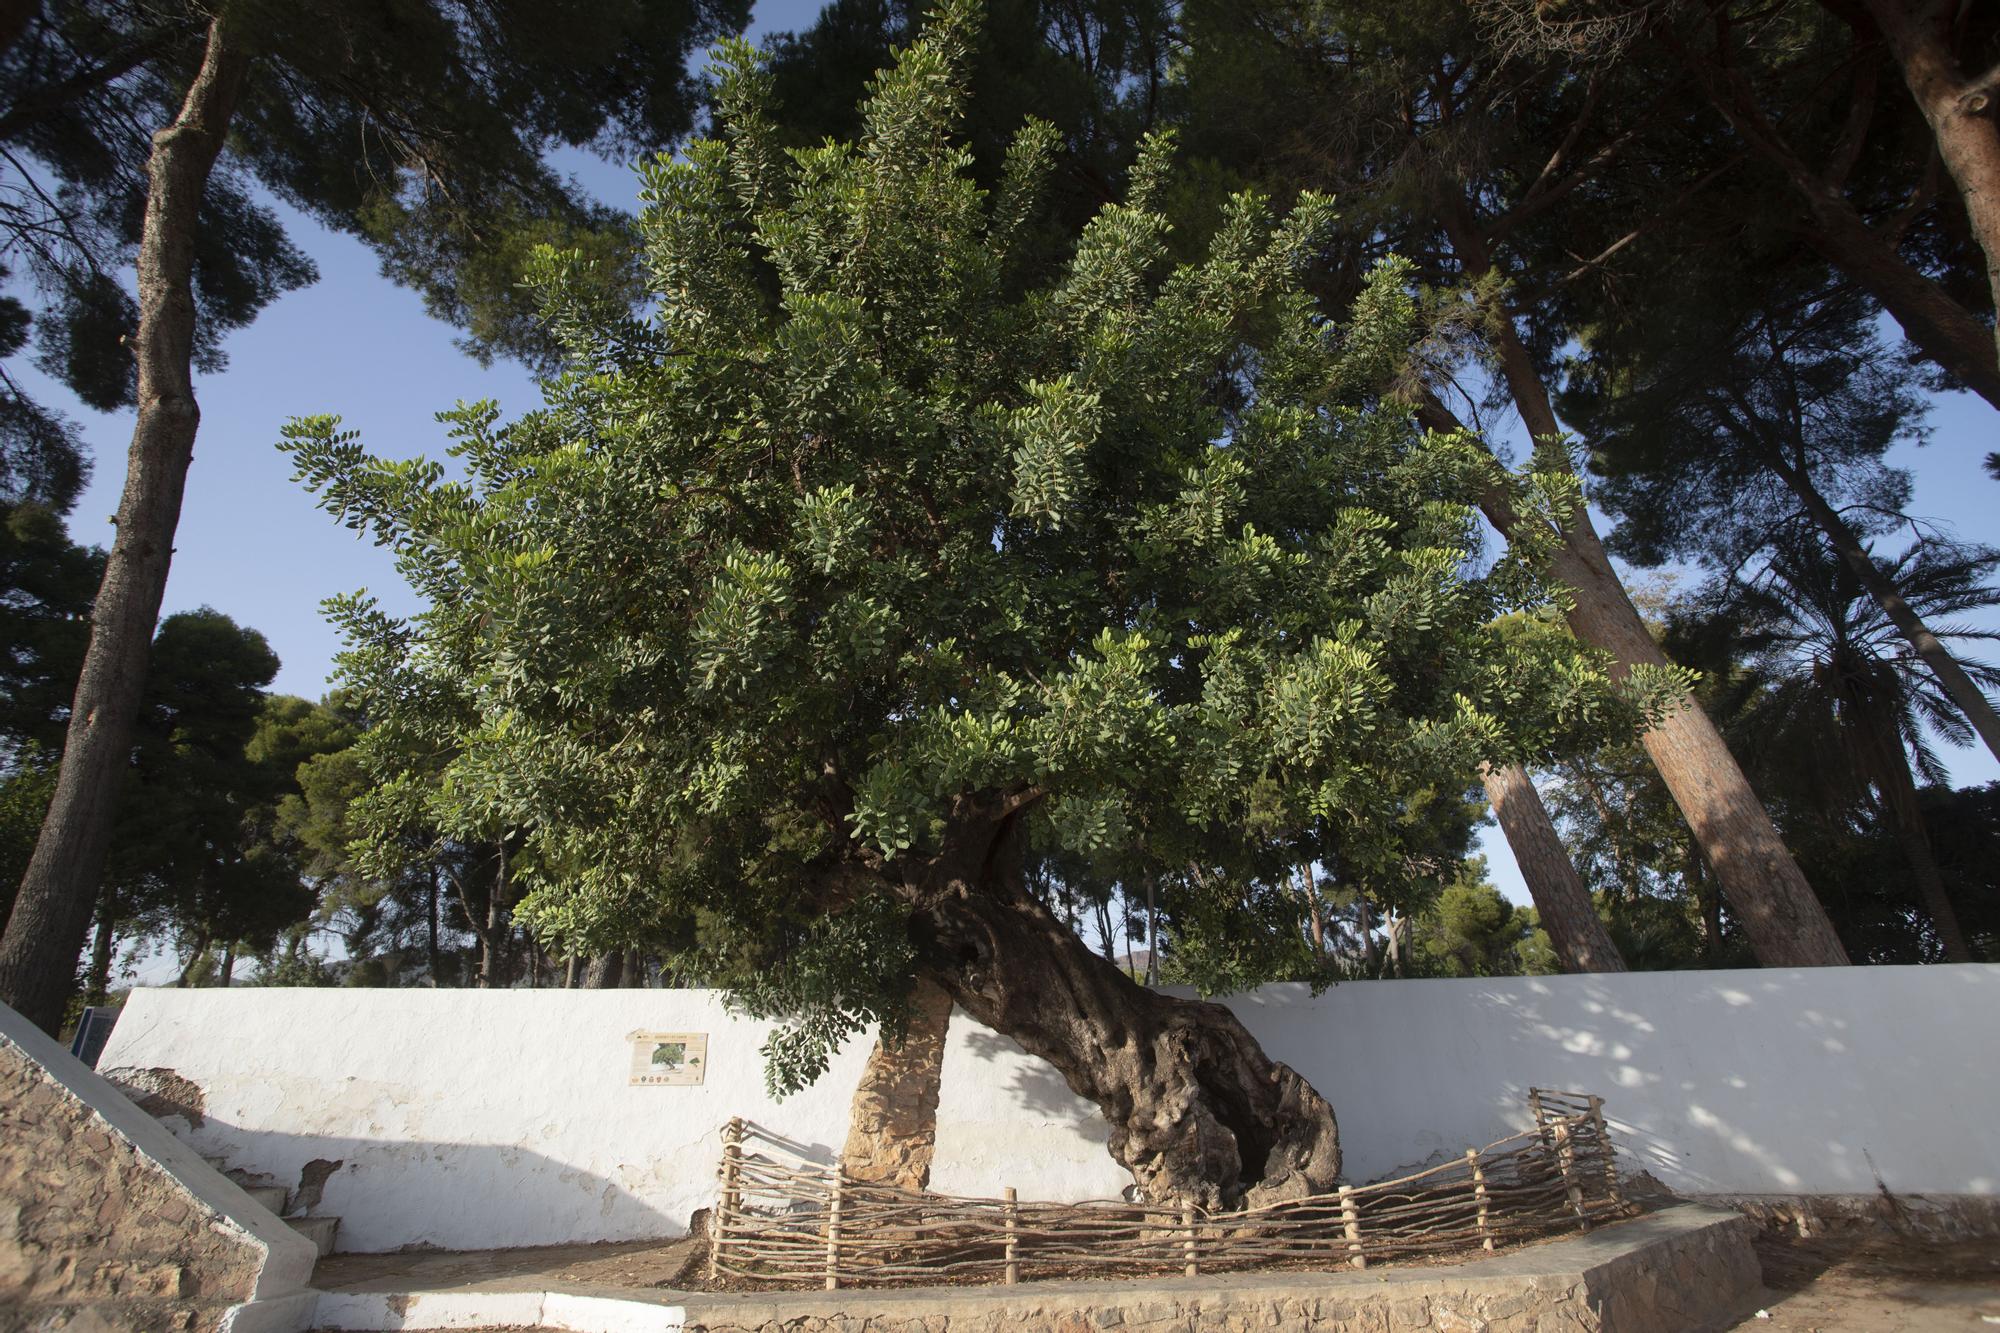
(134, 131)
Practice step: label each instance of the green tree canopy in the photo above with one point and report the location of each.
(802, 613)
(47, 582)
(132, 136)
(187, 857)
(1711, 420)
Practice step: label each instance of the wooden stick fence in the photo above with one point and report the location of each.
(781, 1220)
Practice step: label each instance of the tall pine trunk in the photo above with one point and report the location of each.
(98, 988)
(196, 967)
(1561, 898)
(1153, 927)
(1976, 707)
(51, 915)
(1315, 911)
(1931, 317)
(1890, 765)
(431, 930)
(605, 972)
(1709, 903)
(1197, 1110)
(493, 969)
(1765, 889)
(1960, 111)
(1785, 923)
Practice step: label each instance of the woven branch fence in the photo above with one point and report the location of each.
(785, 1221)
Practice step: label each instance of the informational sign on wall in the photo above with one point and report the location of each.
(668, 1059)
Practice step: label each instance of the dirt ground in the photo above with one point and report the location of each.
(1877, 1281)
(679, 1264)
(639, 1263)
(1857, 1280)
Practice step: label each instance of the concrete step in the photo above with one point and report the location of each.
(318, 1230)
(219, 1163)
(269, 1196)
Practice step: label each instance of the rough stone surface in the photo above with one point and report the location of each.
(893, 1129)
(161, 1093)
(93, 1235)
(1679, 1271)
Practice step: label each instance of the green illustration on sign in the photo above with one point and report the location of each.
(666, 1059)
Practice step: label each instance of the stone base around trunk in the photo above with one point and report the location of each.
(1680, 1270)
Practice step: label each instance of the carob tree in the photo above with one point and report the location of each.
(806, 611)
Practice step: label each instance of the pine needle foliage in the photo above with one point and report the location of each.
(874, 518)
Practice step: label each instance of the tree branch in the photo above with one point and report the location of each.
(25, 111)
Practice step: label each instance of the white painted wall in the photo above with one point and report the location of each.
(469, 1119)
(1737, 1082)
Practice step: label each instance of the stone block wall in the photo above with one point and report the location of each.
(93, 1234)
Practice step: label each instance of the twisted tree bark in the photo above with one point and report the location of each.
(892, 1129)
(1198, 1111)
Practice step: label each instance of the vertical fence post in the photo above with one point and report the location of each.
(1479, 1194)
(1566, 1163)
(726, 1205)
(1610, 1158)
(1541, 1116)
(837, 1180)
(1350, 1216)
(1013, 1239)
(1191, 1267)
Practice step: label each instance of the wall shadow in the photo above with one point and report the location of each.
(396, 1195)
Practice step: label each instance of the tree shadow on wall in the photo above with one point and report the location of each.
(1033, 1082)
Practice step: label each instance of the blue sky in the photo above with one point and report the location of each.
(253, 545)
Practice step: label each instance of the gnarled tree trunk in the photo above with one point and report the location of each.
(1581, 942)
(51, 916)
(1197, 1110)
(892, 1131)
